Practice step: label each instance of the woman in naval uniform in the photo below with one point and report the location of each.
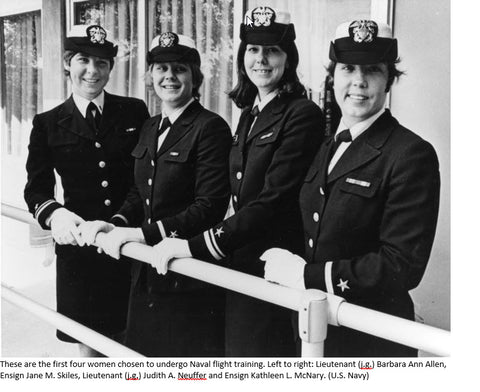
(370, 199)
(88, 141)
(276, 138)
(181, 189)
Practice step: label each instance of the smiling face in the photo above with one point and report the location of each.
(360, 90)
(173, 84)
(265, 66)
(89, 74)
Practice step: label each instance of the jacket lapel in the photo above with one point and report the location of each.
(148, 136)
(270, 114)
(365, 148)
(70, 119)
(180, 127)
(111, 116)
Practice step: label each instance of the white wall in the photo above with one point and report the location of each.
(421, 102)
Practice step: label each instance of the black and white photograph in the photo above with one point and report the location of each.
(225, 191)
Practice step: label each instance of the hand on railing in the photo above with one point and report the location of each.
(64, 225)
(168, 249)
(284, 267)
(112, 241)
(90, 229)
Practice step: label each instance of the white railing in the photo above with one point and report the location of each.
(316, 309)
(95, 340)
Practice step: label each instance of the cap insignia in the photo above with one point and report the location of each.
(363, 30)
(96, 34)
(263, 16)
(167, 40)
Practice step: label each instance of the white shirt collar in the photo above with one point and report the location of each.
(173, 116)
(360, 127)
(82, 103)
(265, 101)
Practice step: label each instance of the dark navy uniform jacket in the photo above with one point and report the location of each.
(369, 227)
(96, 172)
(267, 166)
(266, 172)
(184, 184)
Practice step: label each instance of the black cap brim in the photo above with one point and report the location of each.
(178, 53)
(84, 45)
(345, 51)
(274, 34)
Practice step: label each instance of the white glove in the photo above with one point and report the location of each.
(89, 230)
(64, 225)
(284, 267)
(113, 241)
(168, 249)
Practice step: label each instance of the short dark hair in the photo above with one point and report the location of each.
(244, 93)
(393, 72)
(67, 57)
(197, 78)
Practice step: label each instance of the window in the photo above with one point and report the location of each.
(21, 75)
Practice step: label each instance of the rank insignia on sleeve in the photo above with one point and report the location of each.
(219, 232)
(343, 285)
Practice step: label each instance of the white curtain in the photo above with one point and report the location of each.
(21, 79)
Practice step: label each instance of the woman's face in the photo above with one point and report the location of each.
(265, 66)
(360, 90)
(173, 83)
(89, 74)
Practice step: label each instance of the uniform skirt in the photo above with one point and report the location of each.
(92, 289)
(177, 324)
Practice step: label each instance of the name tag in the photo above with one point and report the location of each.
(266, 135)
(365, 184)
(130, 129)
(174, 154)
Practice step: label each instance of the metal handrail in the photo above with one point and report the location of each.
(95, 340)
(433, 340)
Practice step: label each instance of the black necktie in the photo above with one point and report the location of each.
(248, 123)
(343, 137)
(93, 120)
(165, 124)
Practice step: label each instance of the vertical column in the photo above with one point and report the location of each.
(54, 31)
